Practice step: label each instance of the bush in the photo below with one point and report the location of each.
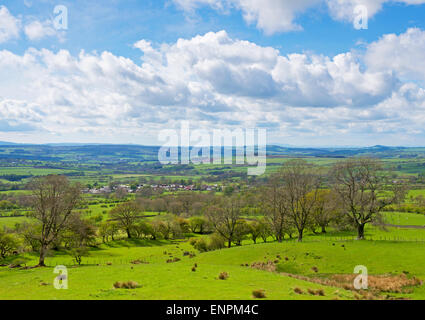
(216, 242)
(318, 292)
(126, 285)
(311, 291)
(78, 254)
(201, 245)
(213, 242)
(8, 244)
(223, 276)
(259, 294)
(299, 291)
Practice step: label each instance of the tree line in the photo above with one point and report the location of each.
(300, 196)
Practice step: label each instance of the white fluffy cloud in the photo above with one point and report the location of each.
(214, 81)
(405, 54)
(9, 25)
(37, 30)
(344, 9)
(268, 15)
(273, 16)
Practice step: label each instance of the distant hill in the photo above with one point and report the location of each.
(5, 143)
(84, 153)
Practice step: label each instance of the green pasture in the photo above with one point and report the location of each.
(162, 280)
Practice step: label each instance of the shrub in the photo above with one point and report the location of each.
(193, 269)
(216, 242)
(311, 291)
(259, 294)
(201, 245)
(131, 285)
(298, 291)
(211, 243)
(318, 292)
(266, 266)
(126, 285)
(173, 260)
(223, 276)
(79, 253)
(8, 244)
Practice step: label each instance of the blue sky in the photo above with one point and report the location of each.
(115, 25)
(125, 70)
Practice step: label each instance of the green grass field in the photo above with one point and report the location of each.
(330, 254)
(161, 280)
(405, 219)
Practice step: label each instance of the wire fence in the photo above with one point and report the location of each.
(94, 262)
(354, 238)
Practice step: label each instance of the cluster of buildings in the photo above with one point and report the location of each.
(176, 187)
(155, 187)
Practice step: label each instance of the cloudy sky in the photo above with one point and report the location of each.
(124, 70)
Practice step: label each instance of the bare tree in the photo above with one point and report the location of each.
(301, 182)
(224, 217)
(54, 200)
(121, 193)
(273, 206)
(361, 186)
(159, 205)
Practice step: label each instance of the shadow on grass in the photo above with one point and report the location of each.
(132, 243)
